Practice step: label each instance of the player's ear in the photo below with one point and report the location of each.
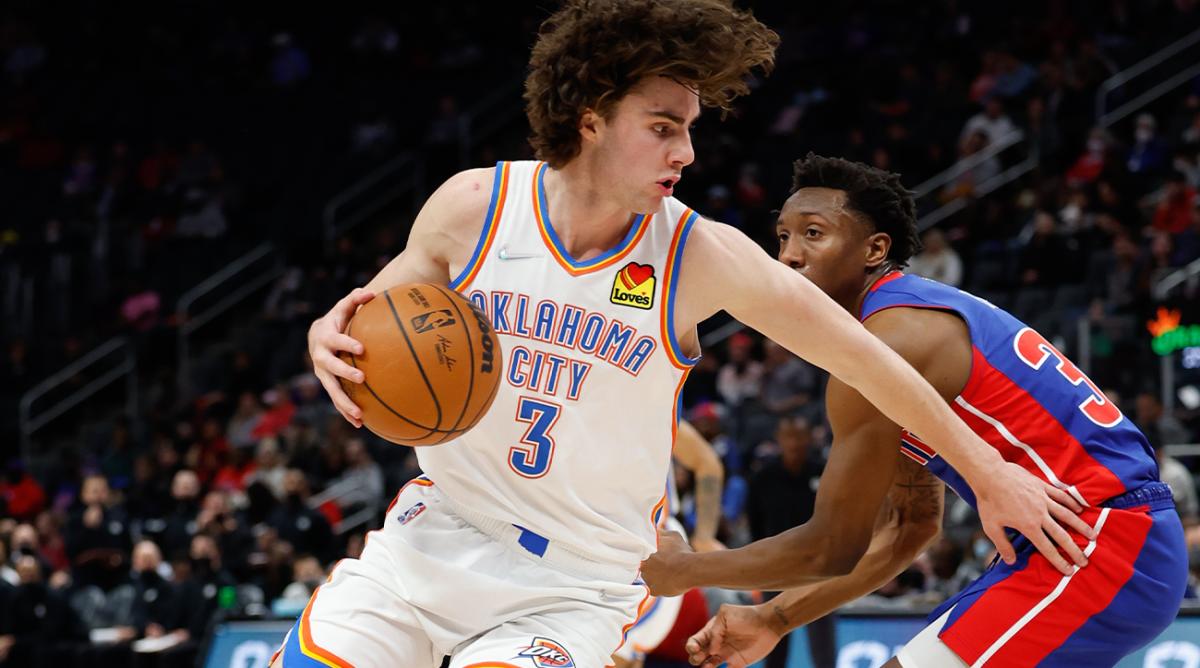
(877, 248)
(589, 125)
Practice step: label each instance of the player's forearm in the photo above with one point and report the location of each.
(892, 549)
(796, 557)
(708, 504)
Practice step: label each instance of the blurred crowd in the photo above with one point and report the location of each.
(139, 156)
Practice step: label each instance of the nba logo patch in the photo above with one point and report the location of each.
(634, 286)
(411, 514)
(546, 653)
(432, 320)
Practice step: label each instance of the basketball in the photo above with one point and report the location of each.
(431, 360)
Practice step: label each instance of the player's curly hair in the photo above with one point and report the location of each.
(590, 53)
(877, 196)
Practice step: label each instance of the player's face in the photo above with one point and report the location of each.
(827, 243)
(644, 144)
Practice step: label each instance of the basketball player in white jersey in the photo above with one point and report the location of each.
(660, 613)
(521, 546)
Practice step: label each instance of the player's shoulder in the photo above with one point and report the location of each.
(916, 333)
(464, 197)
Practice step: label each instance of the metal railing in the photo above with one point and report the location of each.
(1015, 139)
(335, 493)
(374, 192)
(1104, 117)
(948, 175)
(1188, 274)
(486, 118)
(118, 347)
(188, 323)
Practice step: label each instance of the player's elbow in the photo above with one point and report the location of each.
(843, 557)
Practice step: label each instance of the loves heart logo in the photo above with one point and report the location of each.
(634, 286)
(634, 274)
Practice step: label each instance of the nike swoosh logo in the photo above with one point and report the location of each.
(504, 254)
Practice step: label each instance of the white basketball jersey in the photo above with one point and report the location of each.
(578, 442)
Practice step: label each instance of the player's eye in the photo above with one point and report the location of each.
(812, 233)
(783, 237)
(662, 130)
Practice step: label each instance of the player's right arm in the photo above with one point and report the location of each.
(441, 240)
(908, 522)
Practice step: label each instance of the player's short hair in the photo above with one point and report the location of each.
(590, 53)
(876, 195)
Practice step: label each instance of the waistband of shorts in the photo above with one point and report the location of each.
(539, 548)
(1156, 495)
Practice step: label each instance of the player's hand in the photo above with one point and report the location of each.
(707, 544)
(738, 636)
(326, 339)
(663, 569)
(1013, 497)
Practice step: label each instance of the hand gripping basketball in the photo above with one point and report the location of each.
(326, 338)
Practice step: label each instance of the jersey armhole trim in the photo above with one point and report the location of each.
(675, 353)
(488, 234)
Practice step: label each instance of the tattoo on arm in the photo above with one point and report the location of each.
(708, 503)
(916, 494)
(777, 610)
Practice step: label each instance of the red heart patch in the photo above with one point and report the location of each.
(638, 273)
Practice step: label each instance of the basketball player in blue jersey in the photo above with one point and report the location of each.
(850, 229)
(521, 544)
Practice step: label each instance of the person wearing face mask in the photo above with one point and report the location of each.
(98, 536)
(1090, 164)
(306, 529)
(1148, 155)
(37, 627)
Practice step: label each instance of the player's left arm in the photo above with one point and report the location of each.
(697, 455)
(856, 480)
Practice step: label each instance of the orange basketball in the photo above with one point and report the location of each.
(431, 360)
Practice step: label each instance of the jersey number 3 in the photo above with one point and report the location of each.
(1034, 350)
(532, 459)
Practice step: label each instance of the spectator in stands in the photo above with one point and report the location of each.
(781, 496)
(740, 378)
(788, 384)
(937, 260)
(307, 576)
(1091, 163)
(1044, 253)
(269, 467)
(181, 520)
(708, 418)
(22, 496)
(25, 542)
(199, 589)
(362, 479)
(98, 536)
(1149, 153)
(969, 182)
(1160, 427)
(992, 122)
(1174, 211)
(304, 528)
(37, 626)
(157, 608)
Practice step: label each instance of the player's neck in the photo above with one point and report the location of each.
(868, 283)
(584, 217)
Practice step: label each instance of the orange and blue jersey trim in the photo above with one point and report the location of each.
(637, 230)
(675, 353)
(301, 651)
(488, 234)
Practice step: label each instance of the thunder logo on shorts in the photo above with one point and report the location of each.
(546, 653)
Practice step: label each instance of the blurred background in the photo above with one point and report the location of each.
(185, 186)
